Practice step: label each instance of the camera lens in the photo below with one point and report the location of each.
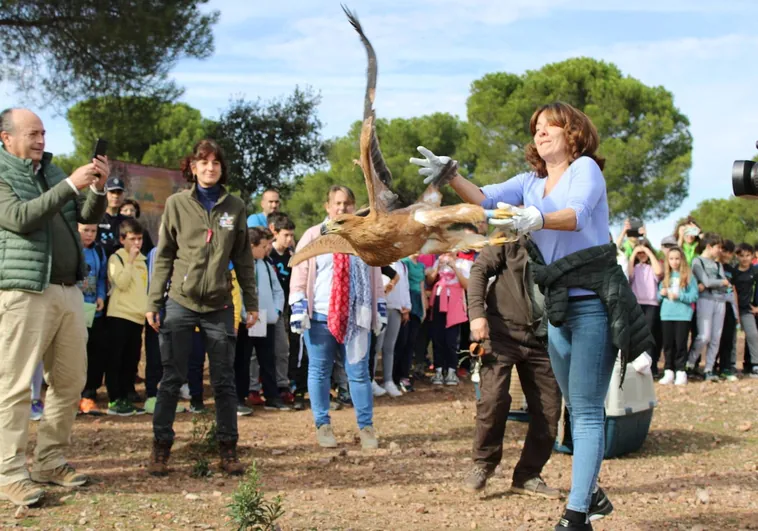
(744, 178)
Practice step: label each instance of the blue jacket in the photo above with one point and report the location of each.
(94, 285)
(680, 309)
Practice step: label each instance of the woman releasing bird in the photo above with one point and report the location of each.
(381, 236)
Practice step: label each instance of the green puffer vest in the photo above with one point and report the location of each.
(25, 259)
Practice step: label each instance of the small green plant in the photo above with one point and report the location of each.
(201, 468)
(249, 509)
(203, 435)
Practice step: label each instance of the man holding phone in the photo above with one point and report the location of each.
(41, 308)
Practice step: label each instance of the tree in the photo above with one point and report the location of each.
(66, 50)
(643, 136)
(440, 132)
(271, 144)
(138, 129)
(735, 219)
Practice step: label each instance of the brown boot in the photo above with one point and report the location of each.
(229, 462)
(159, 459)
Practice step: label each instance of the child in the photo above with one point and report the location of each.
(688, 237)
(727, 356)
(94, 289)
(644, 271)
(744, 278)
(711, 305)
(398, 309)
(127, 273)
(416, 282)
(270, 301)
(678, 291)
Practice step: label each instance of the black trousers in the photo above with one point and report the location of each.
(675, 335)
(125, 337)
(405, 348)
(264, 348)
(297, 374)
(728, 336)
(176, 333)
(153, 365)
(653, 319)
(195, 366)
(421, 348)
(444, 340)
(96, 357)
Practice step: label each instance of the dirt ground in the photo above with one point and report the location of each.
(698, 470)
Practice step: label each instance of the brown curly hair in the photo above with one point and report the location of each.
(201, 150)
(581, 135)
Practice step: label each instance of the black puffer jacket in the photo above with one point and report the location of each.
(595, 269)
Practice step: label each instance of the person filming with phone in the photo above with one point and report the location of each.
(41, 307)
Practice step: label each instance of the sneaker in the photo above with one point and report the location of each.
(38, 408)
(255, 399)
(343, 397)
(334, 405)
(133, 397)
(287, 396)
(184, 392)
(121, 408)
(437, 379)
(64, 475)
(87, 406)
(244, 411)
(23, 492)
(299, 402)
(729, 375)
(461, 372)
(477, 479)
(406, 386)
(137, 410)
(325, 436)
(681, 378)
(572, 521)
(710, 377)
(150, 405)
(754, 373)
(368, 438)
(197, 406)
(537, 487)
(668, 377)
(377, 389)
(600, 505)
(451, 378)
(392, 389)
(276, 405)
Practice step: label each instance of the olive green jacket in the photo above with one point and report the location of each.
(26, 213)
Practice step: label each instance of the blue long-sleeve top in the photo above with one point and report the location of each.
(680, 309)
(94, 286)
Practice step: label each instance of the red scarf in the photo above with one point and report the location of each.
(339, 302)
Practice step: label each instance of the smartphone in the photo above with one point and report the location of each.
(633, 233)
(101, 146)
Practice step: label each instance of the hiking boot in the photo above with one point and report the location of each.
(368, 438)
(438, 379)
(325, 436)
(255, 399)
(159, 459)
(276, 405)
(23, 492)
(477, 479)
(64, 475)
(229, 462)
(600, 505)
(451, 378)
(537, 487)
(38, 408)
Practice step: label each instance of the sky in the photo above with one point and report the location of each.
(430, 51)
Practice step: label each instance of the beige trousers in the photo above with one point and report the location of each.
(47, 326)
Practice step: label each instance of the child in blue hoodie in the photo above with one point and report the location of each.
(94, 290)
(677, 292)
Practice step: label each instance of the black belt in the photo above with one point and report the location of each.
(580, 298)
(63, 284)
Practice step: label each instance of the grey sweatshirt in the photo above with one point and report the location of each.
(711, 274)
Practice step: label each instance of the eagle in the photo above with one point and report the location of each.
(382, 234)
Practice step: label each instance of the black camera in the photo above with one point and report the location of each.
(745, 178)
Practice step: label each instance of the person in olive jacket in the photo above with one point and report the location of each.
(202, 230)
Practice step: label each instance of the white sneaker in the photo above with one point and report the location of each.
(668, 377)
(681, 378)
(437, 379)
(184, 393)
(392, 390)
(451, 378)
(377, 389)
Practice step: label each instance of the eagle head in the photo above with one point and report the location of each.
(339, 224)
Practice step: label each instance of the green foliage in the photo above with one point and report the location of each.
(203, 435)
(734, 219)
(440, 132)
(271, 144)
(62, 51)
(138, 129)
(249, 508)
(644, 137)
(201, 467)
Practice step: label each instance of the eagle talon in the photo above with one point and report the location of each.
(499, 213)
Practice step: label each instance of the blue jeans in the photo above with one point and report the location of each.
(582, 356)
(322, 350)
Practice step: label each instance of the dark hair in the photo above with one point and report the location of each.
(134, 203)
(333, 189)
(728, 246)
(711, 239)
(130, 225)
(201, 151)
(689, 220)
(745, 248)
(644, 243)
(258, 234)
(280, 221)
(581, 135)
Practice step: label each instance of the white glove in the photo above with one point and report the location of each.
(431, 164)
(643, 363)
(524, 220)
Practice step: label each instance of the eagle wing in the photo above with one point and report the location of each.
(329, 244)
